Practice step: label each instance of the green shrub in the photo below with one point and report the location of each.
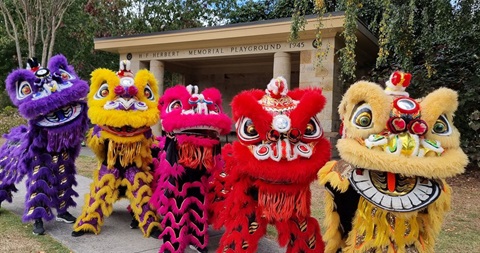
(10, 118)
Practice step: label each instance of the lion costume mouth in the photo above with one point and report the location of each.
(206, 132)
(61, 116)
(125, 131)
(394, 192)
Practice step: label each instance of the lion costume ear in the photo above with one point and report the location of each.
(370, 98)
(438, 109)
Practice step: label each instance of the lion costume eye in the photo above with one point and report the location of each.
(362, 116)
(65, 75)
(313, 130)
(174, 105)
(102, 92)
(23, 90)
(149, 93)
(442, 126)
(246, 130)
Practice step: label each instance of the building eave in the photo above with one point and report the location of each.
(220, 36)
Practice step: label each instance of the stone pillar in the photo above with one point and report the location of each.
(282, 65)
(158, 70)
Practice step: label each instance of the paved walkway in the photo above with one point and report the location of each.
(116, 236)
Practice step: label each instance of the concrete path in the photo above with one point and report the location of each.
(116, 235)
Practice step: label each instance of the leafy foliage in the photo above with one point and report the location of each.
(252, 10)
(9, 118)
(435, 40)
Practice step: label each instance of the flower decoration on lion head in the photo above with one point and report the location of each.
(388, 191)
(280, 148)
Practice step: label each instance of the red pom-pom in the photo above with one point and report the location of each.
(132, 90)
(396, 77)
(119, 90)
(407, 77)
(401, 78)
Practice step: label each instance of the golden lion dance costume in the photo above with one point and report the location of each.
(279, 151)
(388, 192)
(122, 107)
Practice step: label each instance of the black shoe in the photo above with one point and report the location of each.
(78, 233)
(155, 233)
(66, 217)
(38, 227)
(134, 223)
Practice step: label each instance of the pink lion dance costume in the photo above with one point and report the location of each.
(279, 151)
(184, 168)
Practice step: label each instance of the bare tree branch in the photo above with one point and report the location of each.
(14, 34)
(34, 21)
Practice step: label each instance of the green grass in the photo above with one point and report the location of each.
(16, 236)
(86, 165)
(461, 229)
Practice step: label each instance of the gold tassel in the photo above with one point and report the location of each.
(126, 153)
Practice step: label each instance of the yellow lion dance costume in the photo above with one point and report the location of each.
(122, 108)
(388, 192)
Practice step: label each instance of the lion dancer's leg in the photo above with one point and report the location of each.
(65, 171)
(301, 234)
(243, 224)
(7, 180)
(99, 203)
(174, 205)
(139, 194)
(197, 182)
(41, 193)
(6, 192)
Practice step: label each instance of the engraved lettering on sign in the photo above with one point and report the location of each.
(256, 48)
(206, 51)
(165, 54)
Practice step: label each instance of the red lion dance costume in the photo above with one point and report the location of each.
(388, 192)
(279, 151)
(189, 157)
(122, 107)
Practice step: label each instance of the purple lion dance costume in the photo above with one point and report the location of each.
(188, 160)
(52, 99)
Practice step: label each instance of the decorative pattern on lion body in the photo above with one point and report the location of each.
(52, 100)
(388, 191)
(188, 160)
(279, 151)
(122, 107)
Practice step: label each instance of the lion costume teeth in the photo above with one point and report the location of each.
(388, 192)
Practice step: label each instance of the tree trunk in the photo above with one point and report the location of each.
(8, 21)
